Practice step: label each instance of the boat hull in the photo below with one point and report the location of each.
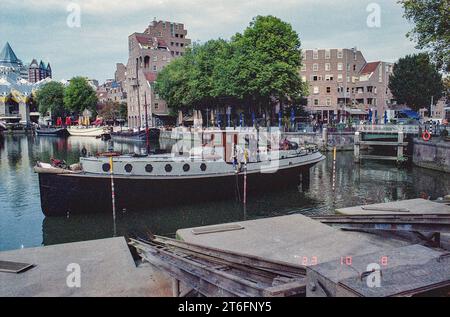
(52, 132)
(136, 136)
(86, 132)
(81, 194)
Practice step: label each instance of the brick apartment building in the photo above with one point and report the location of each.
(149, 53)
(114, 90)
(342, 84)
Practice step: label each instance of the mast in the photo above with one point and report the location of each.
(146, 124)
(138, 97)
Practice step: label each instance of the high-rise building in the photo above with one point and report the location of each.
(38, 72)
(149, 53)
(342, 83)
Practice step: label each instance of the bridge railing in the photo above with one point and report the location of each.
(408, 129)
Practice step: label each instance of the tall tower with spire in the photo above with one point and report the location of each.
(9, 61)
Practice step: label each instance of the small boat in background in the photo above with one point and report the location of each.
(140, 136)
(51, 131)
(87, 131)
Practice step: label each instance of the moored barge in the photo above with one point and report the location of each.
(144, 182)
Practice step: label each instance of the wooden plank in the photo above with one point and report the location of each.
(211, 277)
(238, 258)
(286, 290)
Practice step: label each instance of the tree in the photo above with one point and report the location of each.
(50, 98)
(79, 95)
(123, 110)
(252, 71)
(415, 80)
(109, 110)
(269, 59)
(431, 29)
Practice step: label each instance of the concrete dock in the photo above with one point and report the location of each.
(414, 206)
(293, 239)
(107, 269)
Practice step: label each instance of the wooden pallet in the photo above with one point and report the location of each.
(216, 273)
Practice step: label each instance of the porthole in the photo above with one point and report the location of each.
(203, 167)
(106, 167)
(186, 167)
(168, 168)
(149, 168)
(128, 168)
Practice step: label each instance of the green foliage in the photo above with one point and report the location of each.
(79, 95)
(123, 110)
(415, 80)
(109, 110)
(50, 98)
(431, 31)
(252, 71)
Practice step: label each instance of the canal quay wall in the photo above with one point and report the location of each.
(434, 154)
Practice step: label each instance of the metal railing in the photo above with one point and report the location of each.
(409, 129)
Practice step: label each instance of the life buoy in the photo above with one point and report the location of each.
(426, 136)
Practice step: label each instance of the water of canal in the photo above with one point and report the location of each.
(22, 224)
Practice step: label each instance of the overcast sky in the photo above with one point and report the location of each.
(39, 29)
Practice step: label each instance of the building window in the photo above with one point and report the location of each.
(315, 54)
(315, 67)
(156, 106)
(316, 89)
(304, 79)
(155, 58)
(328, 102)
(155, 68)
(303, 69)
(340, 78)
(181, 36)
(340, 53)
(316, 102)
(339, 66)
(328, 90)
(327, 54)
(329, 77)
(327, 67)
(348, 79)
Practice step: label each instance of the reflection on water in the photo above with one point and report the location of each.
(23, 224)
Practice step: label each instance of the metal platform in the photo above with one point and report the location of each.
(407, 271)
